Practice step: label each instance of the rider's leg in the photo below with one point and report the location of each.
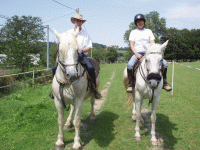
(91, 71)
(130, 72)
(54, 69)
(165, 85)
(53, 73)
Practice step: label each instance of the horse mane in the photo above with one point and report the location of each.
(68, 40)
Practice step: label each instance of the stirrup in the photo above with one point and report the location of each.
(52, 96)
(129, 89)
(167, 88)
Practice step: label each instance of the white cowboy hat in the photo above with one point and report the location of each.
(77, 16)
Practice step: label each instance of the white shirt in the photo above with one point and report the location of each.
(140, 36)
(83, 39)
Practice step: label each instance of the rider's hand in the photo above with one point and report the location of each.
(138, 55)
(80, 51)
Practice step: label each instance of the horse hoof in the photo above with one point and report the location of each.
(61, 147)
(154, 143)
(133, 118)
(77, 147)
(138, 138)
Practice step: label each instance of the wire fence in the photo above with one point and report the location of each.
(13, 83)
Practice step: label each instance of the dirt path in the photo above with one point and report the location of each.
(98, 103)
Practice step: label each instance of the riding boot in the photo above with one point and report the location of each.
(165, 85)
(131, 81)
(97, 94)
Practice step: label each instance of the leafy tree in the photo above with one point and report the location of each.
(112, 54)
(98, 52)
(21, 36)
(52, 53)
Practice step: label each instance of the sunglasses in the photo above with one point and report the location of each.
(77, 20)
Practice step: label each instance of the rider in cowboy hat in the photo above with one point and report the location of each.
(85, 45)
(136, 38)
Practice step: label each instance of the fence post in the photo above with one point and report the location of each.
(172, 77)
(33, 78)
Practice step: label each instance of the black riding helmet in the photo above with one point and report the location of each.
(139, 17)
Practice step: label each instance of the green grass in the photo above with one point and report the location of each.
(28, 120)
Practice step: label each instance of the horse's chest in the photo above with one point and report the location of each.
(69, 95)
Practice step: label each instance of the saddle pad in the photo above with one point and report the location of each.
(95, 64)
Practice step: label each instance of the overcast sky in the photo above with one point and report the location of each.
(107, 21)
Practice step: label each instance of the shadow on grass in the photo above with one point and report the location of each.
(164, 129)
(101, 131)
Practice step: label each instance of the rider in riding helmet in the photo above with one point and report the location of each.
(136, 38)
(85, 45)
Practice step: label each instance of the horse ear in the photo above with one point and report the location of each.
(56, 33)
(76, 32)
(164, 45)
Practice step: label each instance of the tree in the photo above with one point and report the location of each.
(112, 54)
(21, 36)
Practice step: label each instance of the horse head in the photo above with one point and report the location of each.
(154, 60)
(68, 54)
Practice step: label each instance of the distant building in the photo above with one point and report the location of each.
(2, 58)
(34, 60)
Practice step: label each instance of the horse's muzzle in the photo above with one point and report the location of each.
(154, 79)
(71, 74)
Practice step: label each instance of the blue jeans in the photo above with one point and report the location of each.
(134, 59)
(90, 68)
(54, 69)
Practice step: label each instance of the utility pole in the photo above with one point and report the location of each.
(47, 46)
(77, 10)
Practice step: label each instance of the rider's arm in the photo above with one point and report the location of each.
(132, 45)
(84, 50)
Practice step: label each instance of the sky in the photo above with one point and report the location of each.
(106, 20)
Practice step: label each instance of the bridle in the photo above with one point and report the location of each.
(155, 76)
(67, 81)
(63, 65)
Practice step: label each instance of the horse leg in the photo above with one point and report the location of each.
(77, 123)
(92, 114)
(68, 123)
(153, 121)
(61, 121)
(134, 111)
(138, 101)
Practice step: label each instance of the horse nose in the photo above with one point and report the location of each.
(153, 83)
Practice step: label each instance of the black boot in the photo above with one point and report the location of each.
(97, 94)
(131, 81)
(165, 85)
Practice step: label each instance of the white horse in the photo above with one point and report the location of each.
(149, 83)
(70, 86)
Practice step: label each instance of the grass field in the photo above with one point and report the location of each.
(28, 120)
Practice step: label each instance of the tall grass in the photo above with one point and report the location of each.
(28, 120)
